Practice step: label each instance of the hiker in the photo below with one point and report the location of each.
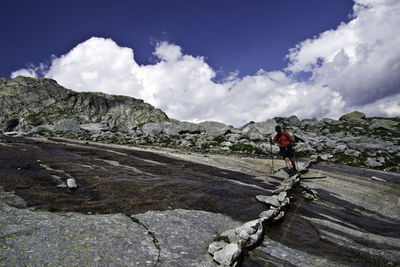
(285, 145)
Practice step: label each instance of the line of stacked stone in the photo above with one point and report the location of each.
(231, 243)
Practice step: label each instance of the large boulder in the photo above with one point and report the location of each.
(152, 129)
(383, 124)
(355, 115)
(213, 128)
(259, 130)
(185, 127)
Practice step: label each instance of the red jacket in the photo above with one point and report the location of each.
(284, 140)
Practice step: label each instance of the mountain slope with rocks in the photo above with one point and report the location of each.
(29, 104)
(40, 107)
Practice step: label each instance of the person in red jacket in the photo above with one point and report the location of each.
(285, 145)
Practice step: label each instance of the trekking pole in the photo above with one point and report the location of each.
(272, 156)
(294, 156)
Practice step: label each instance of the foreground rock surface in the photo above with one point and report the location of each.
(162, 238)
(338, 216)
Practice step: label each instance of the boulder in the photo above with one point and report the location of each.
(184, 127)
(67, 125)
(355, 115)
(383, 124)
(253, 134)
(213, 128)
(293, 120)
(170, 128)
(258, 130)
(152, 129)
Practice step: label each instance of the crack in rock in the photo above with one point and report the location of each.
(151, 234)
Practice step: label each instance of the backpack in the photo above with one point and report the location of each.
(283, 133)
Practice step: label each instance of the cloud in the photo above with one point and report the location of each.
(355, 66)
(360, 60)
(97, 64)
(168, 52)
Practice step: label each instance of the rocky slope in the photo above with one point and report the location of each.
(28, 104)
(40, 107)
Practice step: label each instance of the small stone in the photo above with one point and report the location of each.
(282, 196)
(266, 215)
(378, 179)
(285, 202)
(281, 188)
(280, 216)
(255, 224)
(272, 200)
(231, 235)
(71, 183)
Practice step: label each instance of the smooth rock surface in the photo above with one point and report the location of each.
(184, 235)
(44, 238)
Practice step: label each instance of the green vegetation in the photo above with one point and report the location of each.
(219, 139)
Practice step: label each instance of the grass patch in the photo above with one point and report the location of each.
(219, 139)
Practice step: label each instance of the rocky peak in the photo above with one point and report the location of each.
(26, 103)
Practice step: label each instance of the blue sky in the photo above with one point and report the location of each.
(231, 35)
(231, 61)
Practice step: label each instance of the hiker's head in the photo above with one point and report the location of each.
(278, 128)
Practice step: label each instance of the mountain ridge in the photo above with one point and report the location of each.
(29, 102)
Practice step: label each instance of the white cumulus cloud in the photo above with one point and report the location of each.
(360, 60)
(355, 66)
